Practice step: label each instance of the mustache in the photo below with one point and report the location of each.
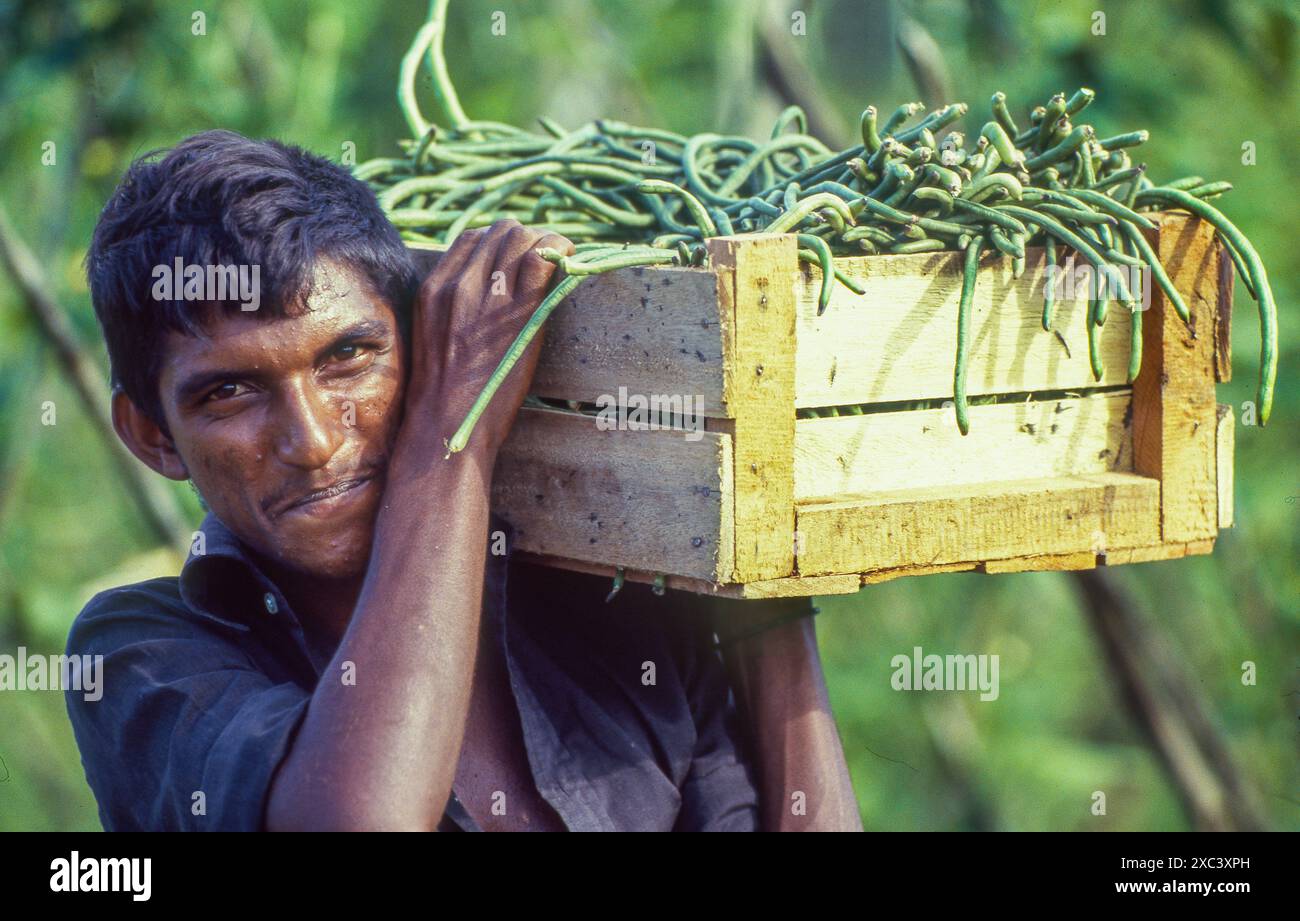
(322, 485)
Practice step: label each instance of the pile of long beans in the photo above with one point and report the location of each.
(635, 196)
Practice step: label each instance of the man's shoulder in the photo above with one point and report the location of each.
(153, 607)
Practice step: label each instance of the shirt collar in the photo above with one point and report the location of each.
(220, 581)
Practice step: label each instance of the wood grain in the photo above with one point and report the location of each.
(1225, 442)
(757, 307)
(650, 499)
(1174, 415)
(898, 340)
(981, 522)
(856, 455)
(651, 330)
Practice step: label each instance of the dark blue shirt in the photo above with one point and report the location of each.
(207, 676)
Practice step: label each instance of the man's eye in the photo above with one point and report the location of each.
(347, 352)
(223, 392)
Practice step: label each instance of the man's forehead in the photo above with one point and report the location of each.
(338, 299)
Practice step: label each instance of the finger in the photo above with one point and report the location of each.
(475, 274)
(531, 264)
(450, 263)
(535, 273)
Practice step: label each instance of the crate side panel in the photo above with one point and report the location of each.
(651, 330)
(859, 455)
(993, 521)
(898, 340)
(653, 500)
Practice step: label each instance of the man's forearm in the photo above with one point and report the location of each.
(804, 782)
(382, 753)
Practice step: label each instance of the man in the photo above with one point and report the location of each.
(340, 650)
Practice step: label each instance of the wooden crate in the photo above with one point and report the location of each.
(1061, 472)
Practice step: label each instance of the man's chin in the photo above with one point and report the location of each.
(323, 549)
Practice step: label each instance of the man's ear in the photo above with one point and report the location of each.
(145, 438)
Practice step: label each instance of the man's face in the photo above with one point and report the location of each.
(286, 426)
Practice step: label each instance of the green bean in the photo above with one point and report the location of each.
(1077, 215)
(1239, 266)
(1007, 151)
(1187, 182)
(950, 181)
(827, 264)
(698, 212)
(1258, 277)
(1089, 173)
(969, 273)
(741, 173)
(1119, 177)
(1049, 282)
(1135, 318)
(935, 121)
(790, 115)
(613, 260)
(928, 245)
(1094, 321)
(619, 578)
(1132, 139)
(901, 114)
(593, 203)
(936, 196)
(1210, 189)
(1073, 141)
(1005, 182)
(870, 139)
(1003, 115)
(941, 227)
(1004, 243)
(1112, 207)
(794, 217)
(888, 213)
(1054, 110)
(379, 166)
(1080, 100)
(1135, 344)
(1114, 255)
(1019, 260)
(1001, 218)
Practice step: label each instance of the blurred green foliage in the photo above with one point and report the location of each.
(107, 81)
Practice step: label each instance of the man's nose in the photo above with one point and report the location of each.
(310, 429)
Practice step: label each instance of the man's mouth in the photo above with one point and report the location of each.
(328, 498)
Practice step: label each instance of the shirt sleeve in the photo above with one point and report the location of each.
(186, 734)
(719, 793)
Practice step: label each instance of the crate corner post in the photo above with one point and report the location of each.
(1175, 412)
(757, 312)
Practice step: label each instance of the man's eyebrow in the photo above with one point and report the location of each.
(197, 383)
(362, 329)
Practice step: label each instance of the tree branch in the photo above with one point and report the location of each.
(158, 507)
(1167, 709)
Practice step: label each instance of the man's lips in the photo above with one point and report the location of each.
(322, 496)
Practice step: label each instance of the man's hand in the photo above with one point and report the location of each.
(468, 312)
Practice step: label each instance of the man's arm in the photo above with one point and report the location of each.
(382, 754)
(780, 690)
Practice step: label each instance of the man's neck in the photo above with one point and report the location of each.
(324, 605)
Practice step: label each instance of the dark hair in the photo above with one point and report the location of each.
(221, 199)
